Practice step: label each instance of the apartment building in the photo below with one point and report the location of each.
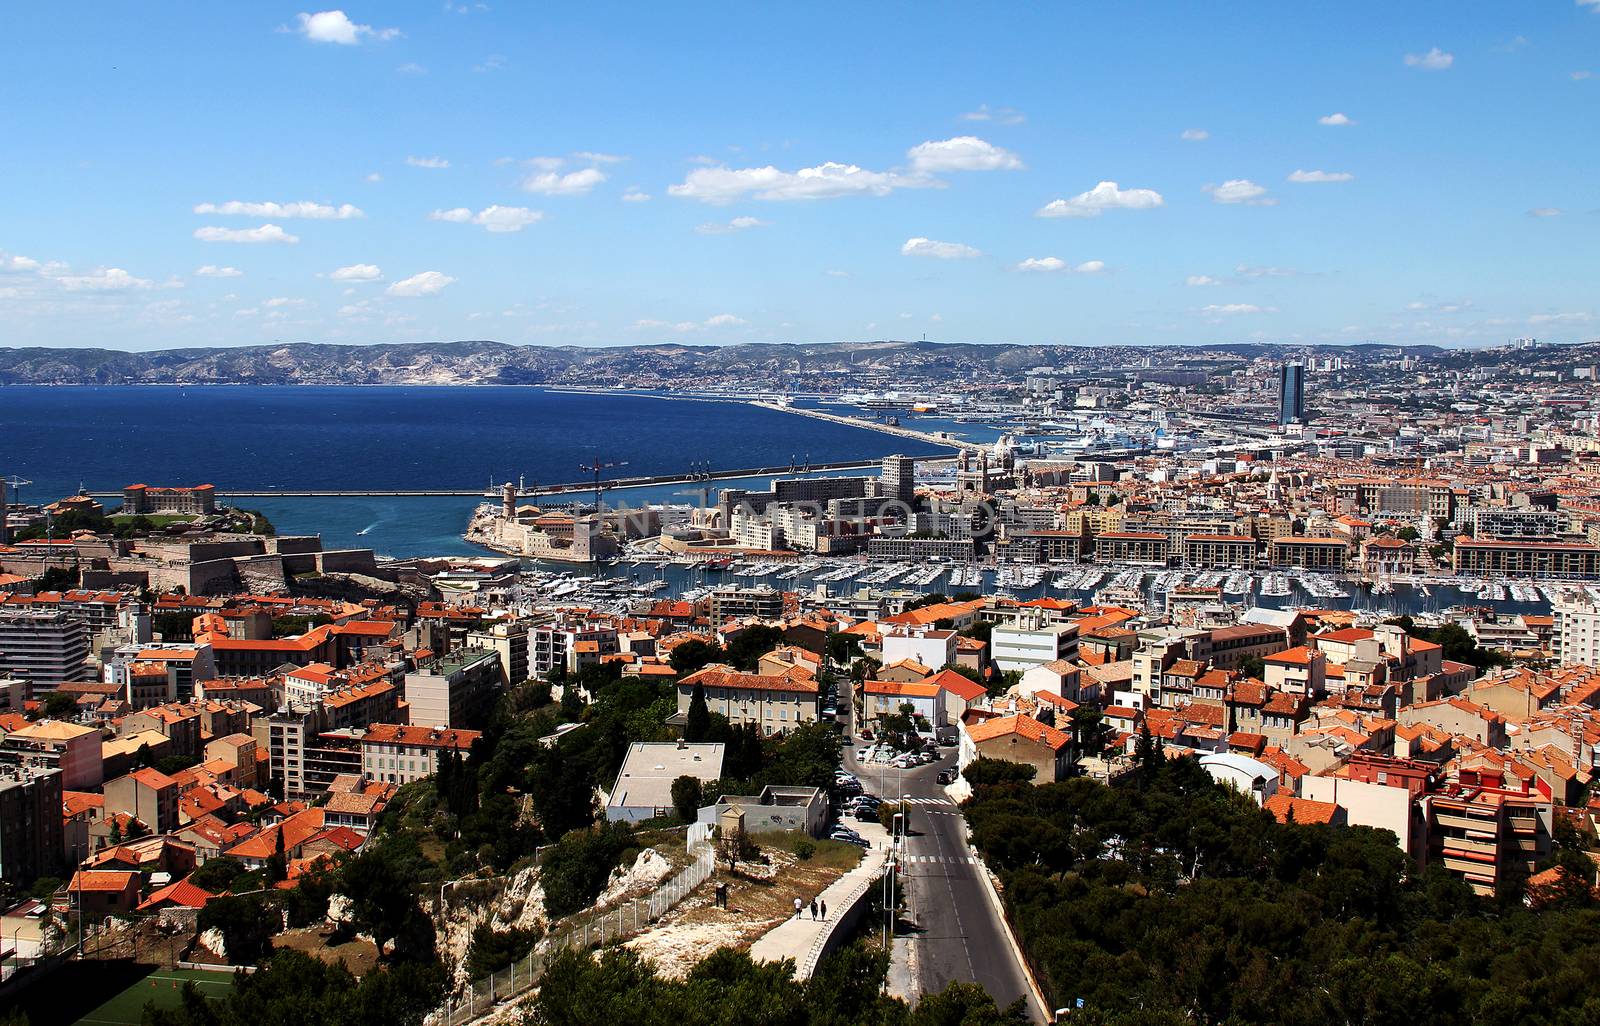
(44, 647)
(1133, 547)
(1526, 558)
(1219, 550)
(743, 603)
(400, 754)
(774, 703)
(457, 689)
(1325, 554)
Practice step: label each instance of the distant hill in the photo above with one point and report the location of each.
(484, 362)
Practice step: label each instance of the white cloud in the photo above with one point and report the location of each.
(277, 301)
(336, 27)
(635, 195)
(1194, 135)
(374, 177)
(494, 218)
(938, 250)
(1545, 212)
(837, 274)
(738, 224)
(725, 321)
(1228, 309)
(575, 183)
(962, 153)
(434, 163)
(266, 233)
(1582, 76)
(17, 263)
(357, 272)
(213, 271)
(302, 208)
(411, 68)
(1434, 60)
(1105, 196)
(1591, 4)
(1001, 115)
(1336, 120)
(491, 63)
(1054, 264)
(1196, 280)
(428, 283)
(1312, 177)
(1240, 190)
(599, 158)
(825, 181)
(1578, 317)
(109, 279)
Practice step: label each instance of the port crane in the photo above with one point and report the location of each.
(595, 468)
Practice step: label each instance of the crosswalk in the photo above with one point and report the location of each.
(949, 860)
(929, 801)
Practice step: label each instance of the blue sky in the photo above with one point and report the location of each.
(604, 174)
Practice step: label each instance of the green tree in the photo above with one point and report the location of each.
(986, 772)
(247, 925)
(1253, 666)
(686, 797)
(60, 706)
(694, 654)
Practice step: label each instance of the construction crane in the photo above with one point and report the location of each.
(10, 490)
(595, 468)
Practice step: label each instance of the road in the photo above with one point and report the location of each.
(959, 934)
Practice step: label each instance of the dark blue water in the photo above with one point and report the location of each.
(382, 437)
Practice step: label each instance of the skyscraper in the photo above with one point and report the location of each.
(896, 481)
(1292, 394)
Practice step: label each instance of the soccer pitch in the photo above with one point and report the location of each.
(164, 987)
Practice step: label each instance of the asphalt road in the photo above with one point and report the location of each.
(959, 934)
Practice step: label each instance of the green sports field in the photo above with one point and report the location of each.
(164, 987)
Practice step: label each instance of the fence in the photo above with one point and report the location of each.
(840, 925)
(597, 930)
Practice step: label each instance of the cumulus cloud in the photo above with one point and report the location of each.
(725, 321)
(433, 163)
(108, 279)
(738, 224)
(266, 233)
(15, 262)
(825, 181)
(1240, 190)
(599, 158)
(1052, 264)
(962, 153)
(1229, 309)
(1000, 115)
(1434, 60)
(1336, 120)
(213, 271)
(938, 250)
(357, 272)
(427, 283)
(336, 27)
(1196, 280)
(302, 208)
(1105, 196)
(575, 183)
(1546, 212)
(1313, 177)
(1194, 135)
(635, 195)
(494, 218)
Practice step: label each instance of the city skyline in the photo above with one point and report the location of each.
(618, 176)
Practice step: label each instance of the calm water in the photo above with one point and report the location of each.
(400, 437)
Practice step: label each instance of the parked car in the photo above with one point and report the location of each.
(946, 776)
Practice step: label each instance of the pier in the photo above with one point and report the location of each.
(565, 488)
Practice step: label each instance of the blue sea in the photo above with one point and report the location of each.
(392, 437)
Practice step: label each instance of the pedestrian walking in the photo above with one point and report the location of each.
(813, 910)
(824, 911)
(798, 905)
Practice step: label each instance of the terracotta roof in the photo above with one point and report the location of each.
(1303, 810)
(1025, 726)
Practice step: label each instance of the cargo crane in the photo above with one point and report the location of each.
(595, 468)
